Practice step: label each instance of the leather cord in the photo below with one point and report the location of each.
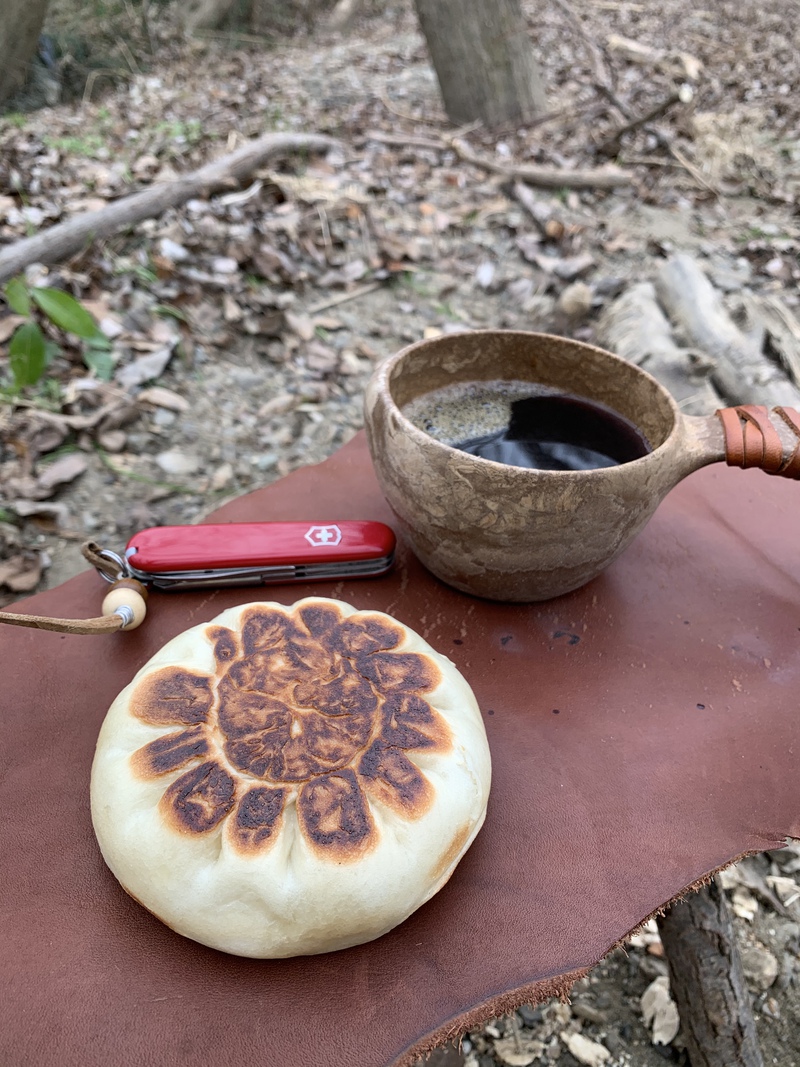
(105, 624)
(115, 619)
(751, 439)
(93, 554)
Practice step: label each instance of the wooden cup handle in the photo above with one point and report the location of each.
(752, 438)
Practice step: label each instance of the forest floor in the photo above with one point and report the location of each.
(244, 327)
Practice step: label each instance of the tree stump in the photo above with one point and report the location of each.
(707, 981)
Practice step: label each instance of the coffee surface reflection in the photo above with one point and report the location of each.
(560, 433)
(550, 430)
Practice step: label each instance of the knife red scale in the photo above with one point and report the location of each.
(181, 552)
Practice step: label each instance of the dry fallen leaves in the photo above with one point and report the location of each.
(160, 397)
(590, 1053)
(63, 470)
(660, 1012)
(518, 1052)
(21, 573)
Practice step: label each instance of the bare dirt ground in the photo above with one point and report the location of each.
(243, 328)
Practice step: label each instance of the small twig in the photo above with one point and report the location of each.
(387, 103)
(94, 75)
(650, 161)
(400, 141)
(525, 196)
(231, 35)
(688, 165)
(611, 96)
(73, 422)
(611, 145)
(147, 26)
(135, 68)
(602, 74)
(468, 127)
(363, 225)
(326, 231)
(342, 298)
(549, 177)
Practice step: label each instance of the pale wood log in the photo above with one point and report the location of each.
(66, 238)
(635, 327)
(707, 981)
(741, 374)
(782, 326)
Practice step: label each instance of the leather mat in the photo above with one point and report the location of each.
(642, 733)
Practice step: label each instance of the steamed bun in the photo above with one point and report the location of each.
(290, 780)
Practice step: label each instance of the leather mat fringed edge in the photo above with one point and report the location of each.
(545, 988)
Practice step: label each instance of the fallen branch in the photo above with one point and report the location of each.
(66, 238)
(635, 327)
(741, 373)
(549, 177)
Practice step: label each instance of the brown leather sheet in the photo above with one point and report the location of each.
(643, 733)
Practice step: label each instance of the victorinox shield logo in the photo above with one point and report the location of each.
(320, 536)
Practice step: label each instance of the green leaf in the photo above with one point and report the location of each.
(18, 297)
(100, 361)
(51, 350)
(27, 355)
(170, 311)
(65, 311)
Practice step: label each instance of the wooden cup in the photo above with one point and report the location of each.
(516, 534)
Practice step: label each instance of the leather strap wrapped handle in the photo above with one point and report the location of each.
(752, 439)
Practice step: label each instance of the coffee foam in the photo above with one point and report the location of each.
(465, 410)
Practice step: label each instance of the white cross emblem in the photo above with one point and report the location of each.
(318, 536)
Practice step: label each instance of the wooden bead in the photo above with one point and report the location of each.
(127, 593)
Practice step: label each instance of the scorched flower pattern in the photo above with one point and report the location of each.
(307, 707)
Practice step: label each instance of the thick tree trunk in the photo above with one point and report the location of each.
(21, 23)
(707, 982)
(483, 59)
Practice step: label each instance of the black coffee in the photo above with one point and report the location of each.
(560, 432)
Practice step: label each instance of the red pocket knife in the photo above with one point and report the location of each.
(256, 553)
